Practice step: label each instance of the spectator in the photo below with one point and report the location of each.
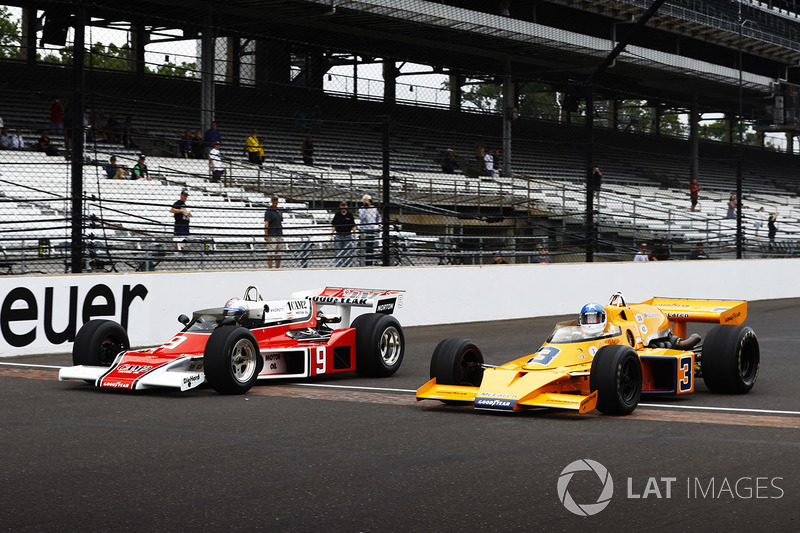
(140, 171)
(17, 142)
(449, 163)
(114, 171)
(542, 258)
(771, 229)
(597, 182)
(215, 163)
(661, 252)
(698, 252)
(5, 139)
(182, 216)
(694, 192)
(642, 254)
(211, 137)
(252, 145)
(497, 259)
(343, 226)
(57, 116)
(43, 144)
(488, 164)
(307, 151)
(369, 219)
(759, 221)
(185, 144)
(197, 146)
(273, 233)
(731, 207)
(498, 163)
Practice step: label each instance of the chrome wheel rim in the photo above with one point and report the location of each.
(390, 346)
(243, 361)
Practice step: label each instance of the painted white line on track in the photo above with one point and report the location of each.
(729, 409)
(413, 391)
(28, 365)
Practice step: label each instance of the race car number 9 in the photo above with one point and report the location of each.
(321, 367)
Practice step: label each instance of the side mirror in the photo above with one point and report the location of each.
(183, 319)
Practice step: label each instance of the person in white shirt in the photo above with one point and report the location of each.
(215, 162)
(642, 254)
(369, 220)
(17, 142)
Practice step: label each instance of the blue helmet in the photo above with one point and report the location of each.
(592, 319)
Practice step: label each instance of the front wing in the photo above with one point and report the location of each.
(175, 373)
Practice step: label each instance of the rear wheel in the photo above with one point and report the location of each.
(380, 344)
(231, 360)
(616, 375)
(98, 343)
(457, 362)
(731, 359)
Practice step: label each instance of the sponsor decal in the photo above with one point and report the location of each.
(133, 369)
(652, 315)
(733, 316)
(639, 318)
(677, 315)
(190, 380)
(24, 315)
(592, 350)
(494, 403)
(336, 300)
(643, 329)
(117, 384)
(386, 306)
(297, 305)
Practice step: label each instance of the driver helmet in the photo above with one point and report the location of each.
(592, 319)
(234, 307)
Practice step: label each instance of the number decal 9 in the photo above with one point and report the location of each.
(322, 360)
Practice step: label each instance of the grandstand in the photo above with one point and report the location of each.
(435, 218)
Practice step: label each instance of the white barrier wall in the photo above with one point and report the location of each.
(40, 314)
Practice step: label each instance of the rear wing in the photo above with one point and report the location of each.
(680, 311)
(380, 300)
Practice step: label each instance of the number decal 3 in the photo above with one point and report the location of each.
(685, 374)
(322, 361)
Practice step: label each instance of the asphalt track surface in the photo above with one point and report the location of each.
(355, 454)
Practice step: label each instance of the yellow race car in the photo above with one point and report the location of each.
(606, 359)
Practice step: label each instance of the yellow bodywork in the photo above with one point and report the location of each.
(557, 374)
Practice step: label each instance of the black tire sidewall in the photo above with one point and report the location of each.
(87, 348)
(447, 361)
(722, 349)
(370, 328)
(605, 379)
(217, 360)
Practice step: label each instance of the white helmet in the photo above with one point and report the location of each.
(592, 319)
(234, 307)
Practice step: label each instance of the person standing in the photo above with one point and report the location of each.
(597, 182)
(759, 221)
(731, 207)
(215, 163)
(694, 192)
(211, 137)
(273, 233)
(698, 252)
(185, 144)
(771, 229)
(182, 216)
(56, 117)
(343, 226)
(252, 145)
(369, 219)
(642, 254)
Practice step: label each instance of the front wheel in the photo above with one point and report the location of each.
(457, 362)
(380, 344)
(231, 360)
(98, 343)
(731, 359)
(616, 375)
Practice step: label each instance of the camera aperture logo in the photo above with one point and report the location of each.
(585, 509)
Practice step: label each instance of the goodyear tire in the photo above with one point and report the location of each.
(616, 375)
(380, 344)
(731, 359)
(457, 362)
(231, 360)
(98, 343)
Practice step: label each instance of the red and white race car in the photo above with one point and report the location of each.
(249, 339)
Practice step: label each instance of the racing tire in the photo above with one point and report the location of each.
(232, 360)
(380, 344)
(616, 375)
(98, 343)
(730, 359)
(457, 362)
